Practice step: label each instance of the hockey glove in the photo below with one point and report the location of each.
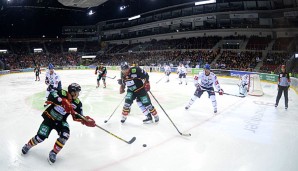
(198, 86)
(88, 121)
(122, 89)
(120, 82)
(147, 86)
(50, 88)
(220, 92)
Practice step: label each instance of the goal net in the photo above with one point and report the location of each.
(254, 85)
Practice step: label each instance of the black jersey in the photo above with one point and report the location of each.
(55, 111)
(101, 70)
(135, 79)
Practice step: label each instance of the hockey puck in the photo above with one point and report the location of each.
(144, 145)
(106, 121)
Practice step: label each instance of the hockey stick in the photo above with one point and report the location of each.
(160, 79)
(223, 93)
(168, 116)
(128, 142)
(111, 77)
(114, 110)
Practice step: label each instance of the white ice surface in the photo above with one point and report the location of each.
(248, 134)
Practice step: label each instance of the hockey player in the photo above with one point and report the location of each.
(102, 73)
(62, 103)
(181, 70)
(205, 81)
(137, 82)
(52, 80)
(37, 72)
(243, 86)
(167, 72)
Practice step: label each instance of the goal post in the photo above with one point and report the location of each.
(254, 85)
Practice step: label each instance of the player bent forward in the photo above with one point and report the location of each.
(62, 103)
(137, 82)
(205, 81)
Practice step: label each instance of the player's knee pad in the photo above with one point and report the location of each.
(62, 140)
(151, 109)
(212, 98)
(142, 107)
(193, 99)
(65, 136)
(38, 139)
(126, 109)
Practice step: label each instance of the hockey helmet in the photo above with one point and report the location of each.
(207, 66)
(74, 87)
(124, 66)
(51, 66)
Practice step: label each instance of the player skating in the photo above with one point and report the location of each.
(167, 69)
(37, 72)
(181, 71)
(137, 82)
(243, 85)
(52, 80)
(102, 73)
(62, 103)
(205, 81)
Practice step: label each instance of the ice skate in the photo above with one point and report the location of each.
(52, 157)
(156, 118)
(148, 119)
(123, 119)
(25, 149)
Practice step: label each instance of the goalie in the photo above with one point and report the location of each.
(243, 85)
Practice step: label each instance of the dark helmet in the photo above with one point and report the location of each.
(74, 87)
(124, 65)
(51, 66)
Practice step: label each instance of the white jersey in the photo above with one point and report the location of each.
(181, 70)
(244, 80)
(53, 79)
(207, 81)
(167, 68)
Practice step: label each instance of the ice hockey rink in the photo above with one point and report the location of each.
(247, 134)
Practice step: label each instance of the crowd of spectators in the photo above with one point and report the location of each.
(273, 61)
(15, 61)
(244, 61)
(192, 52)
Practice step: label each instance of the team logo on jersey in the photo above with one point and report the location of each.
(74, 106)
(133, 75)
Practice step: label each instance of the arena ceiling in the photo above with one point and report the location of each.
(82, 3)
(34, 18)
